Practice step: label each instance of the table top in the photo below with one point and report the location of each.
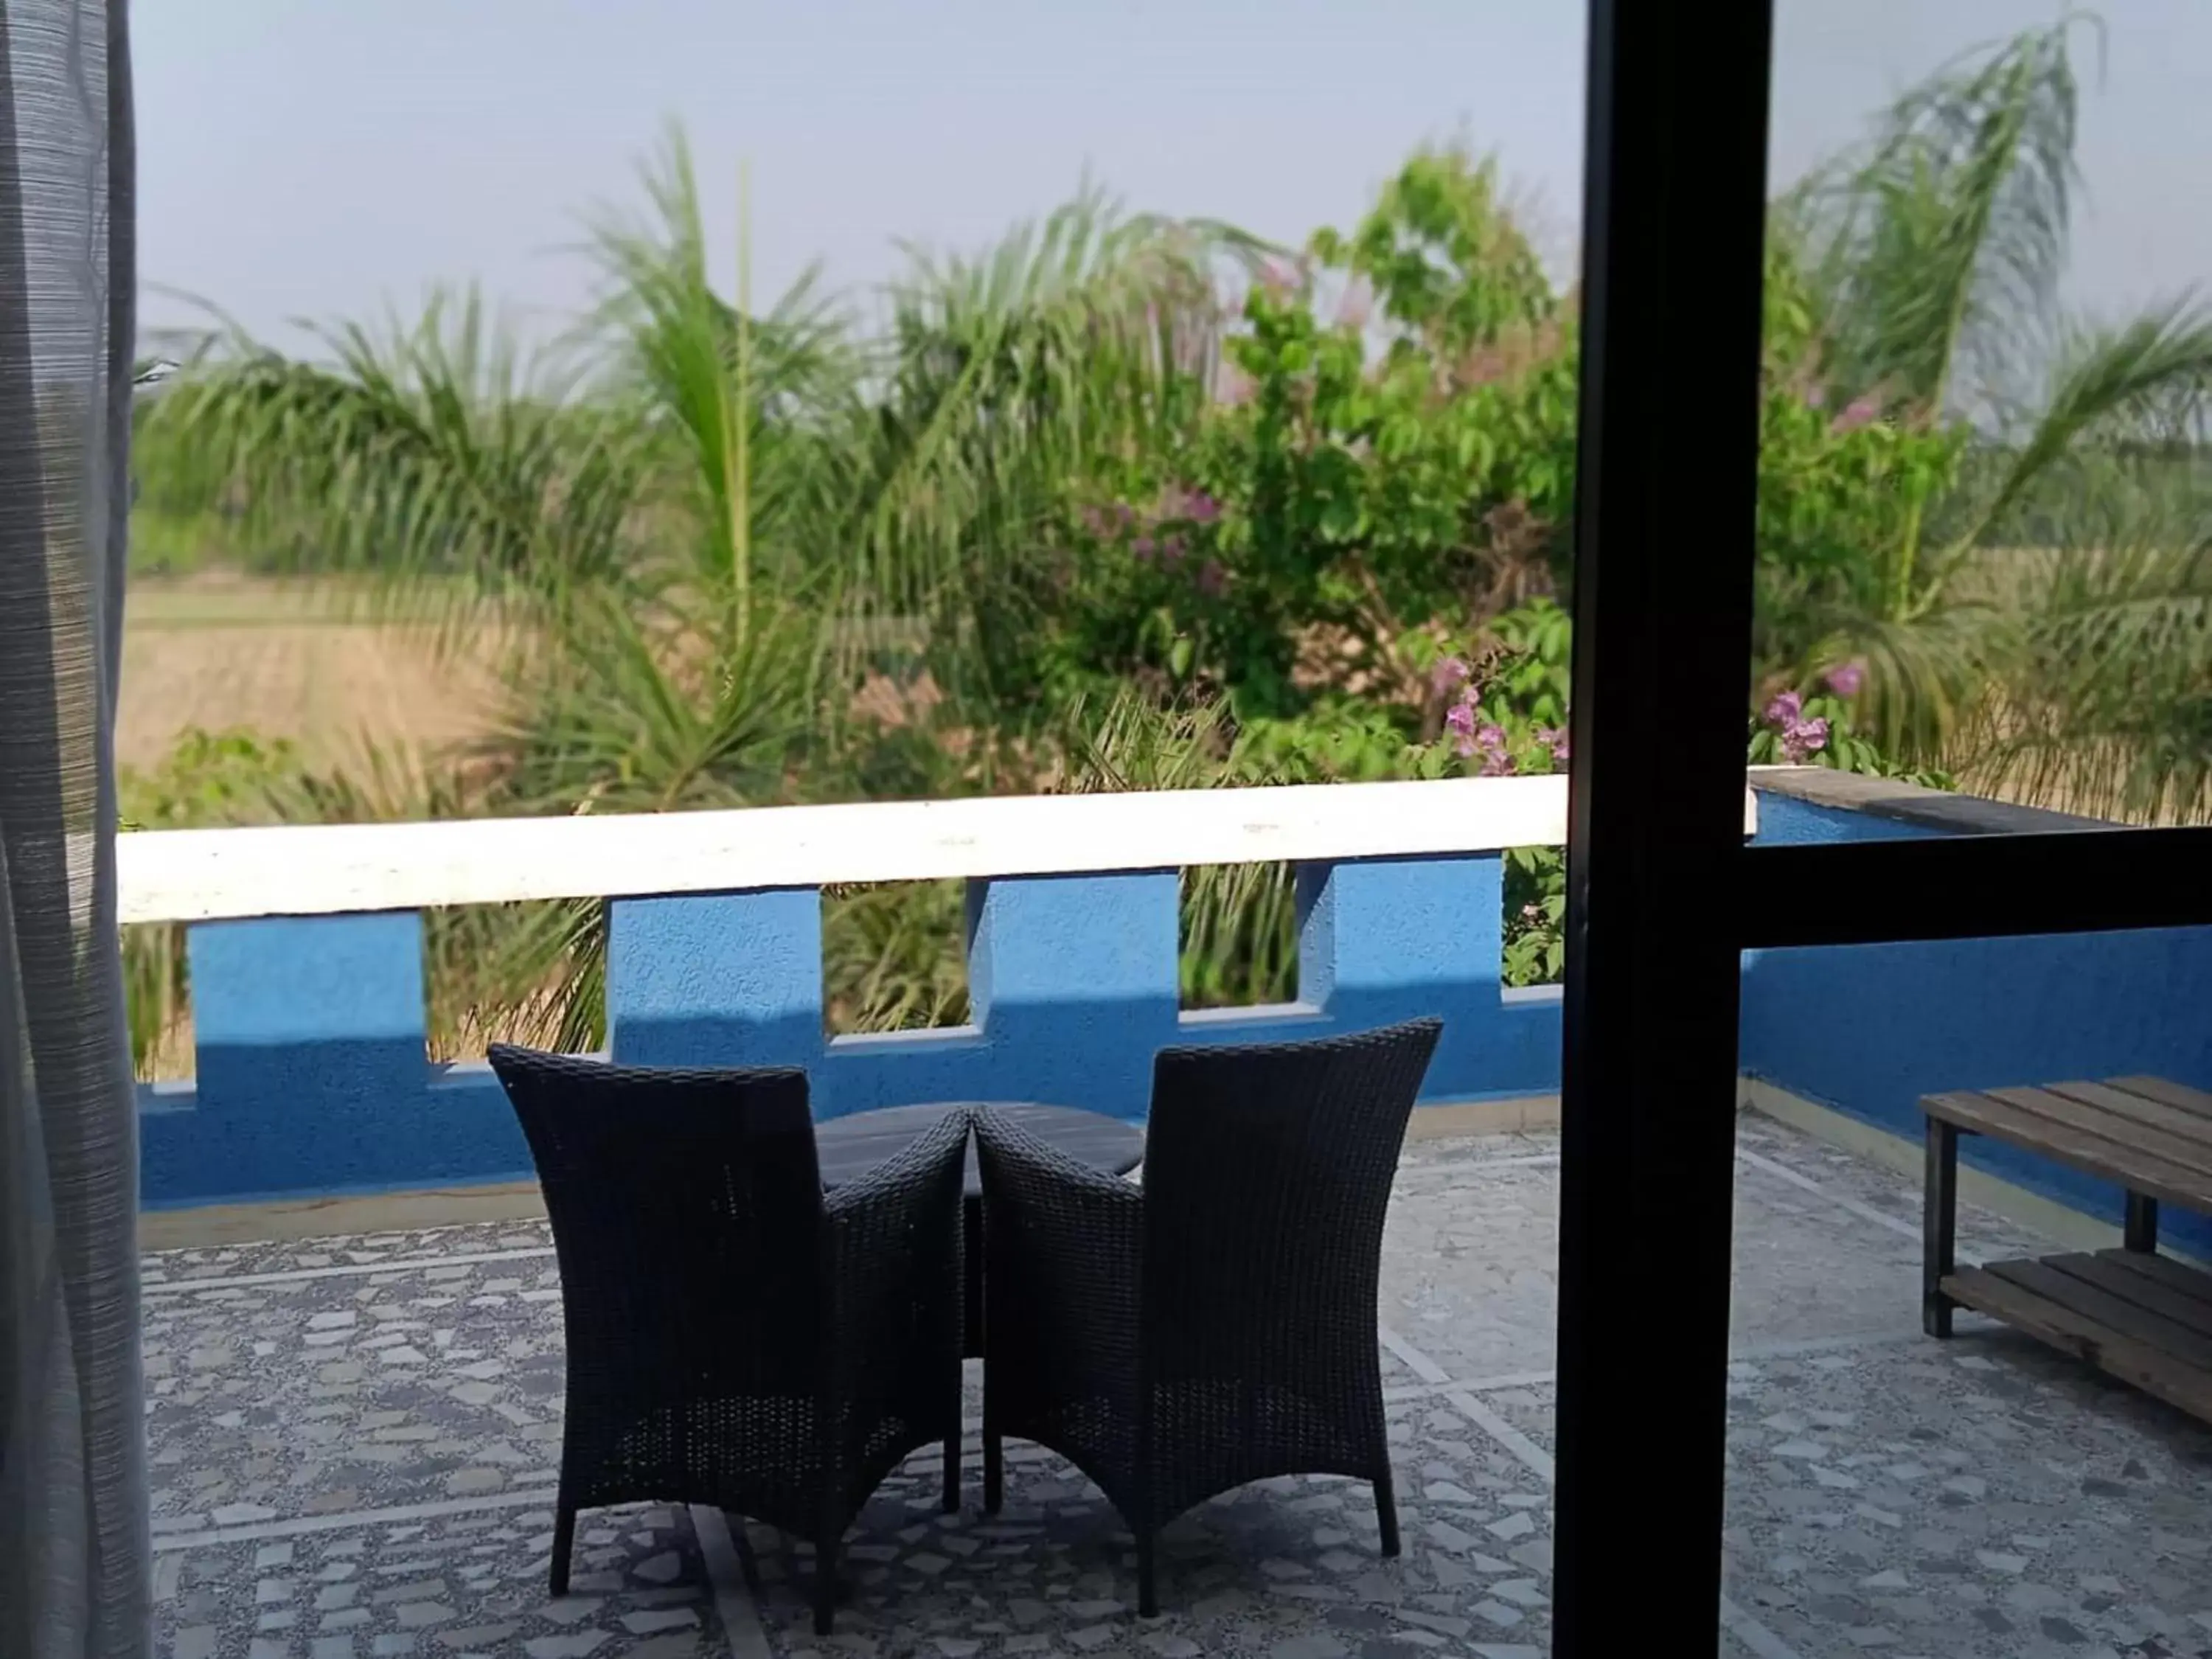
(2147, 1135)
(851, 1145)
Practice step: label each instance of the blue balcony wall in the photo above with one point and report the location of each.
(310, 1077)
(1867, 1030)
(311, 1080)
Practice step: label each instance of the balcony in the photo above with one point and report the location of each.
(355, 1436)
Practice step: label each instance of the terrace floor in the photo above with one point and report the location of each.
(354, 1443)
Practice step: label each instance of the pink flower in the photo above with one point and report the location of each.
(1846, 678)
(1212, 579)
(1459, 720)
(1278, 276)
(1804, 739)
(1553, 737)
(1449, 675)
(1356, 306)
(1860, 411)
(1496, 759)
(1142, 547)
(1801, 738)
(1200, 507)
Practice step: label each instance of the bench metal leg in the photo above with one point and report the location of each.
(2140, 1232)
(1939, 1226)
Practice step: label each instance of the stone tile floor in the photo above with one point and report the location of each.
(354, 1443)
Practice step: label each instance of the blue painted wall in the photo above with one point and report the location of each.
(1869, 1028)
(312, 1078)
(1785, 821)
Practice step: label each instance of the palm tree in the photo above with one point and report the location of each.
(689, 521)
(1930, 261)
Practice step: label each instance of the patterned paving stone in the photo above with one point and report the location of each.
(1886, 1495)
(1985, 1497)
(319, 1395)
(439, 1588)
(1290, 1567)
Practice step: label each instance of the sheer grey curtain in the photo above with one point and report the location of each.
(72, 1464)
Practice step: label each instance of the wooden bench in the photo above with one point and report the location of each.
(2144, 1317)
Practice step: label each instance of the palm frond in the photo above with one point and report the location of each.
(1939, 244)
(632, 705)
(2142, 382)
(2105, 706)
(743, 406)
(1073, 341)
(433, 457)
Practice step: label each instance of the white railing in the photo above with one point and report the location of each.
(208, 875)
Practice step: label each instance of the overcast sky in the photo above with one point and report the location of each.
(311, 158)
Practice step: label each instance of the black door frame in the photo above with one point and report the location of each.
(1663, 896)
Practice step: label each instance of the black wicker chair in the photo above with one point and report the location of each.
(735, 1337)
(1218, 1325)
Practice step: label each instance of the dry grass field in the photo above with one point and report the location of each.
(291, 661)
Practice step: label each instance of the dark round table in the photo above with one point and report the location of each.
(849, 1146)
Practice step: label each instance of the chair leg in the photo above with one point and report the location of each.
(825, 1580)
(564, 1540)
(995, 1460)
(1386, 1512)
(1148, 1589)
(1939, 1226)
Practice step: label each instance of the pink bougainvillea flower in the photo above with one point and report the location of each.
(1846, 678)
(1200, 507)
(1278, 276)
(1356, 306)
(1449, 675)
(1459, 720)
(1553, 737)
(1212, 579)
(1785, 710)
(1804, 739)
(1860, 411)
(1497, 758)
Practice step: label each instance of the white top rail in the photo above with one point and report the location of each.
(206, 875)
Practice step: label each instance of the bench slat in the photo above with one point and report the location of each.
(2165, 1271)
(2167, 1093)
(2084, 1337)
(2114, 1123)
(2105, 1272)
(2136, 1323)
(2136, 1170)
(2159, 1115)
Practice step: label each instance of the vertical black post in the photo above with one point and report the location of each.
(1673, 225)
(1939, 1226)
(2140, 1231)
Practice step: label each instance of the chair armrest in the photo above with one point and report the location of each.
(1064, 1246)
(892, 1268)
